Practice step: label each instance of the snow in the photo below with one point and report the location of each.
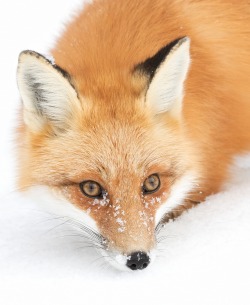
(202, 258)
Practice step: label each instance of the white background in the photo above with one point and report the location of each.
(204, 260)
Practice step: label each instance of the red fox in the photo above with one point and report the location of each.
(137, 118)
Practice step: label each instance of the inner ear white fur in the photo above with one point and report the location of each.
(46, 92)
(166, 89)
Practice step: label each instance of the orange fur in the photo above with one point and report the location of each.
(116, 140)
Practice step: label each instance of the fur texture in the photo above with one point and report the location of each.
(116, 136)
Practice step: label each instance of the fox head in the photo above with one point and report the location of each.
(113, 159)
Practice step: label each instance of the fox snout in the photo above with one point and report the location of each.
(129, 238)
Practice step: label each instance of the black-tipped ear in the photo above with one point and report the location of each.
(167, 71)
(46, 91)
(150, 65)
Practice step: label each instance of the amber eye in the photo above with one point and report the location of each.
(151, 184)
(91, 189)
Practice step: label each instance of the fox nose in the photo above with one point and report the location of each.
(138, 260)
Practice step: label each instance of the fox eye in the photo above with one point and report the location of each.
(91, 189)
(151, 184)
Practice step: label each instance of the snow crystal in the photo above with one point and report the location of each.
(117, 207)
(152, 201)
(103, 202)
(96, 201)
(158, 199)
(121, 229)
(142, 214)
(121, 221)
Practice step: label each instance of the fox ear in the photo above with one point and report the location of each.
(167, 71)
(46, 92)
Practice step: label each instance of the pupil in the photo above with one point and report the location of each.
(92, 188)
(152, 181)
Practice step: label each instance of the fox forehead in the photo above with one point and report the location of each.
(104, 149)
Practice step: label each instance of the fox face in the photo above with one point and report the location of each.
(113, 161)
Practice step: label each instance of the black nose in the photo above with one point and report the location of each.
(138, 260)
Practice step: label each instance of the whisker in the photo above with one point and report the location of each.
(163, 237)
(50, 219)
(86, 233)
(97, 259)
(84, 240)
(85, 228)
(61, 224)
(88, 246)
